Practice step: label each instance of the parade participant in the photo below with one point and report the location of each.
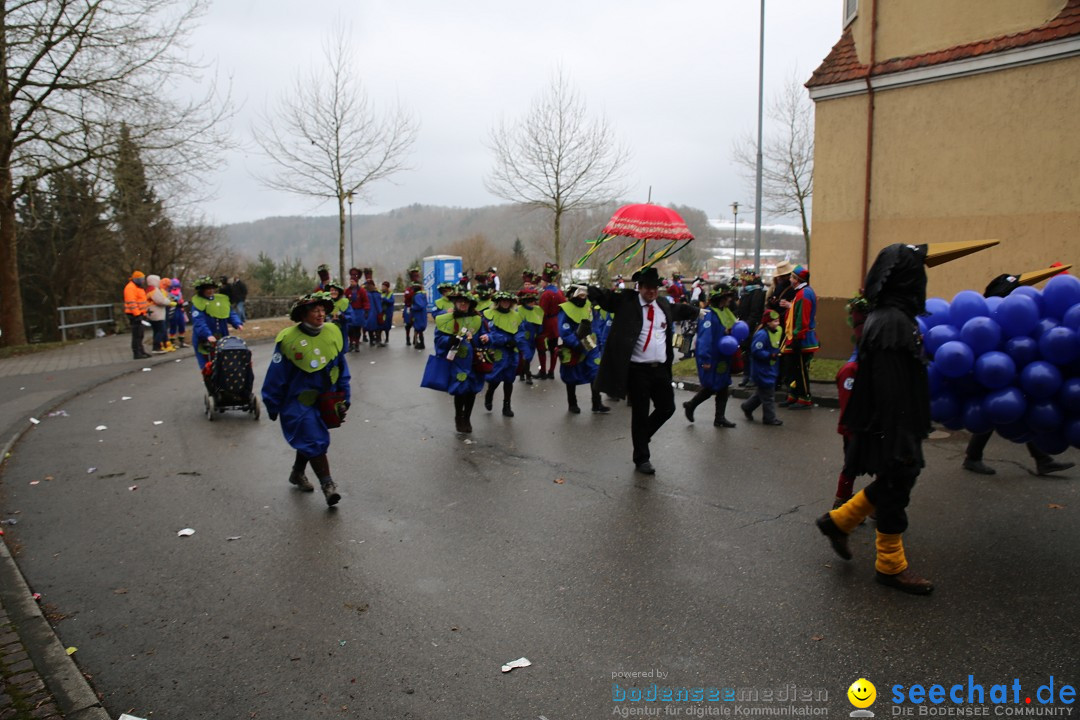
(506, 329)
(340, 312)
(158, 303)
(458, 338)
(765, 349)
(307, 386)
(211, 316)
(888, 414)
(857, 308)
(177, 326)
(637, 357)
(374, 315)
(713, 366)
(1002, 286)
(483, 295)
(675, 290)
(493, 278)
(323, 271)
(529, 280)
(387, 320)
(135, 308)
(359, 306)
(407, 302)
(618, 283)
(418, 313)
(443, 303)
(750, 309)
(579, 356)
(800, 338)
(532, 320)
(547, 341)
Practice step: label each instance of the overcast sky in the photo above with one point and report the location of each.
(677, 80)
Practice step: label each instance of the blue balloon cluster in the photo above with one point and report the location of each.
(1008, 364)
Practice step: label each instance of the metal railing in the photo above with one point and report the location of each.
(65, 326)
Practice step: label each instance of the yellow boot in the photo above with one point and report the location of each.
(838, 523)
(892, 566)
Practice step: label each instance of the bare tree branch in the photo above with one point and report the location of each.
(326, 139)
(556, 158)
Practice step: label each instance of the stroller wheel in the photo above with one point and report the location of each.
(254, 408)
(210, 408)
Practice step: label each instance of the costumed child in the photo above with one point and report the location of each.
(374, 315)
(418, 313)
(857, 308)
(387, 319)
(579, 357)
(459, 338)
(532, 320)
(339, 315)
(764, 353)
(547, 342)
(359, 306)
(307, 386)
(406, 304)
(714, 366)
(443, 303)
(507, 334)
(177, 326)
(211, 316)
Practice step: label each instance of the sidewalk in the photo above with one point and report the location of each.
(39, 679)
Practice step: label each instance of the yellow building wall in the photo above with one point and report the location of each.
(987, 156)
(914, 27)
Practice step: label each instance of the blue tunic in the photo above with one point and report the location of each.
(419, 312)
(203, 325)
(290, 392)
(601, 325)
(371, 323)
(464, 379)
(583, 364)
(712, 328)
(763, 369)
(504, 344)
(388, 311)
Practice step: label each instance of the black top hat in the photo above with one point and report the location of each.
(648, 277)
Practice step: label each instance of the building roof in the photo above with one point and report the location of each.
(842, 63)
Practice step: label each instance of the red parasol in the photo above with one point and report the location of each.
(643, 222)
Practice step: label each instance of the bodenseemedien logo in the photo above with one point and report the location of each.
(862, 694)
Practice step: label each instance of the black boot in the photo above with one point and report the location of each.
(408, 339)
(489, 396)
(571, 399)
(528, 377)
(329, 491)
(459, 413)
(688, 407)
(598, 405)
(721, 405)
(466, 421)
(508, 390)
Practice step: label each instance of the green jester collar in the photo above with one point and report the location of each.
(311, 353)
(508, 322)
(216, 307)
(575, 313)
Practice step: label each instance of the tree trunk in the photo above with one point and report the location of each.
(11, 305)
(558, 237)
(805, 229)
(341, 239)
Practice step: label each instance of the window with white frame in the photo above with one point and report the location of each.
(851, 9)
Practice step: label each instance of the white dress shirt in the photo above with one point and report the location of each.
(654, 333)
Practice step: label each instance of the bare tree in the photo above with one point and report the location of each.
(556, 158)
(326, 139)
(70, 72)
(787, 172)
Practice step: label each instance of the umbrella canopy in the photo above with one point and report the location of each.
(643, 222)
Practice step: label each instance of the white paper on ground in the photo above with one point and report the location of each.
(186, 532)
(519, 663)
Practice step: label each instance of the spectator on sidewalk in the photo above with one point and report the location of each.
(158, 304)
(135, 309)
(238, 295)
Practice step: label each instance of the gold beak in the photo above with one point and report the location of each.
(1037, 276)
(941, 253)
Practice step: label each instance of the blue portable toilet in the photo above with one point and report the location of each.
(439, 269)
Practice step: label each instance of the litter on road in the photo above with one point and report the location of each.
(102, 427)
(519, 663)
(35, 421)
(186, 532)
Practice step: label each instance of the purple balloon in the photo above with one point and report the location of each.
(1044, 417)
(1069, 396)
(1014, 432)
(992, 304)
(728, 345)
(938, 336)
(1040, 380)
(966, 305)
(1045, 325)
(975, 420)
(1071, 318)
(937, 312)
(1059, 345)
(936, 380)
(1005, 406)
(1031, 293)
(1072, 433)
(954, 359)
(1053, 443)
(981, 334)
(1023, 350)
(922, 326)
(945, 408)
(1061, 293)
(1017, 315)
(740, 331)
(994, 370)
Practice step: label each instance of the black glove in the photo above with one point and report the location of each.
(272, 416)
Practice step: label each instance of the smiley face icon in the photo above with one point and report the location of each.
(862, 693)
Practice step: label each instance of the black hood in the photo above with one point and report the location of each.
(898, 279)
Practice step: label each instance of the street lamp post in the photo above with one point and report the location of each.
(352, 258)
(735, 240)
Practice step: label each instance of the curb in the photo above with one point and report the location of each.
(735, 391)
(70, 689)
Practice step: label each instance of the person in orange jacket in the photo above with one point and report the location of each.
(135, 305)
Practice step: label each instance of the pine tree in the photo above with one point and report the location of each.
(145, 232)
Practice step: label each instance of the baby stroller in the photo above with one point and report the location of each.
(229, 377)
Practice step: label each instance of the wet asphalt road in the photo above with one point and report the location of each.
(447, 559)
